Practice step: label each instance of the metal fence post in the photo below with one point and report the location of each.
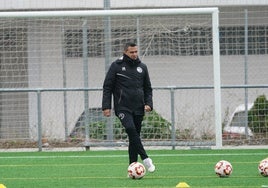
(173, 130)
(39, 120)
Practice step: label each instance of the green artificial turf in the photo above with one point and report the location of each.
(109, 169)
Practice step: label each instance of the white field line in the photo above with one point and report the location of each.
(119, 156)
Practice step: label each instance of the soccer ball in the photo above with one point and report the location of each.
(263, 167)
(223, 168)
(136, 170)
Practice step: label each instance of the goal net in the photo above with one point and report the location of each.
(60, 59)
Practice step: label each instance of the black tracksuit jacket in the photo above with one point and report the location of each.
(129, 83)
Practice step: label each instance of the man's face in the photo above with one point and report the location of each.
(132, 52)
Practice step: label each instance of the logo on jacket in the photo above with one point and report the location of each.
(123, 68)
(121, 116)
(139, 70)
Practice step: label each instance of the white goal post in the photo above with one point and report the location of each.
(213, 11)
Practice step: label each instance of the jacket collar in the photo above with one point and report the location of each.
(131, 61)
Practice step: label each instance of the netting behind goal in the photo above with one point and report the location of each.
(74, 49)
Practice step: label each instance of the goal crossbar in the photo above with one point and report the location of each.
(87, 13)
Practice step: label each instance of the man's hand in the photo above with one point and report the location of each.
(147, 108)
(107, 112)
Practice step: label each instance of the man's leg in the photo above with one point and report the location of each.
(135, 146)
(146, 160)
(132, 125)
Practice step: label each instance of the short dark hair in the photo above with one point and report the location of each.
(129, 44)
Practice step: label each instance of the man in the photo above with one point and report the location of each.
(129, 83)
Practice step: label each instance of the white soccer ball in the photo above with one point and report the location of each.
(136, 170)
(263, 167)
(223, 168)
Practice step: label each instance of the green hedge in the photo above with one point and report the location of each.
(258, 115)
(154, 127)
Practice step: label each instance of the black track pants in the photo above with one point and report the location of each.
(132, 124)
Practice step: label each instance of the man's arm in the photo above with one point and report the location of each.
(108, 86)
(148, 93)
